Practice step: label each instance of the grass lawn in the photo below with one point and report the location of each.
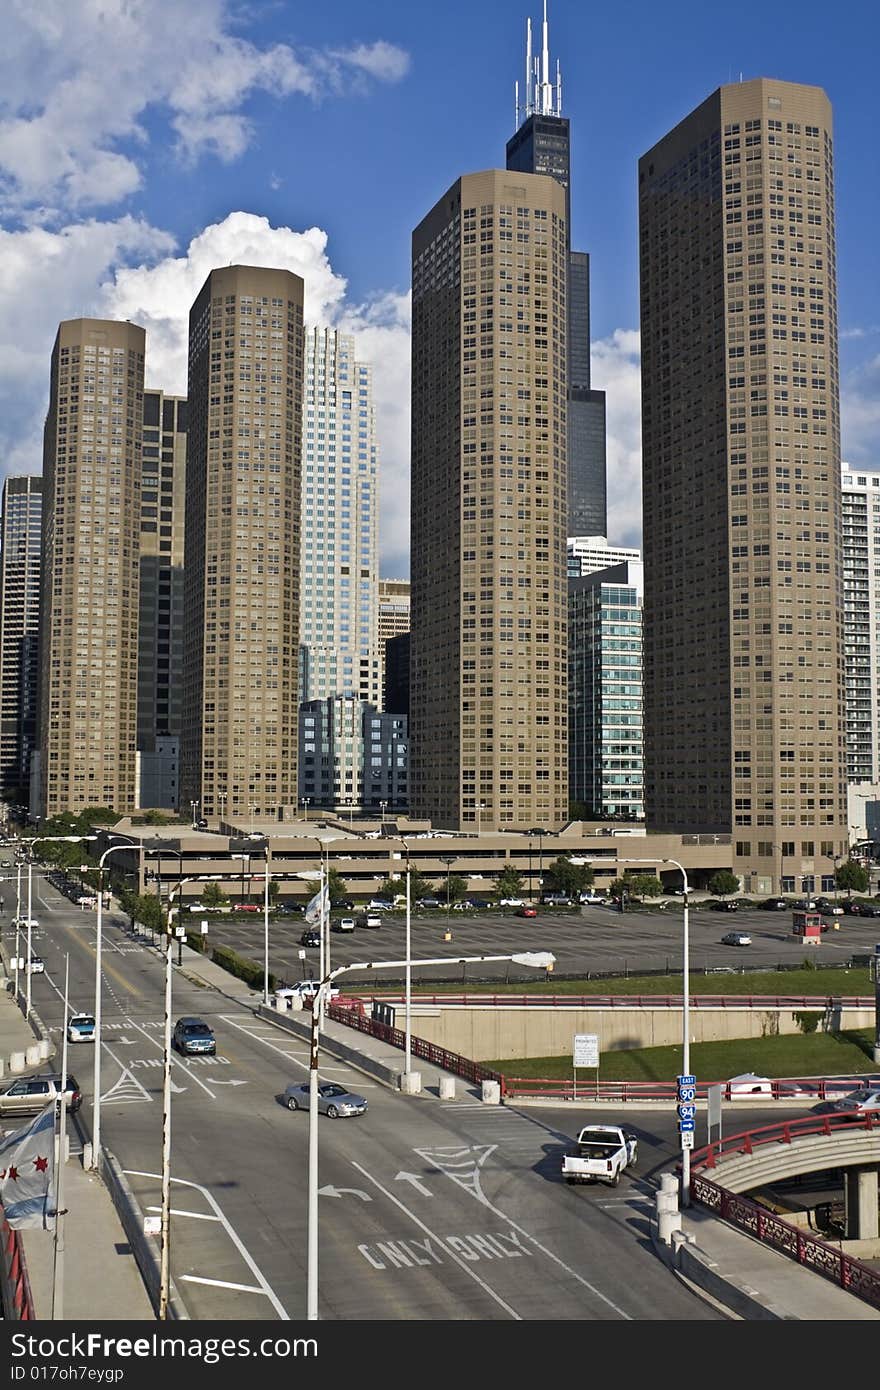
(797, 983)
(811, 1054)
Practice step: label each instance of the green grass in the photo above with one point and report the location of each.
(796, 983)
(813, 1054)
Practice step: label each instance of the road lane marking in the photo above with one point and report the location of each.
(188, 1070)
(264, 1286)
(220, 1284)
(196, 1215)
(452, 1253)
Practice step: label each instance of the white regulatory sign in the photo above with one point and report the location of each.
(586, 1049)
(152, 1225)
(687, 1138)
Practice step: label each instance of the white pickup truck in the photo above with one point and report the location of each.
(601, 1154)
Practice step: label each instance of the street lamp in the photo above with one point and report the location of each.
(221, 797)
(480, 806)
(686, 1001)
(540, 832)
(192, 807)
(537, 960)
(256, 847)
(304, 802)
(448, 860)
(99, 936)
(382, 808)
(31, 841)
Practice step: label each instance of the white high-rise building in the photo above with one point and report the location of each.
(588, 554)
(339, 651)
(861, 621)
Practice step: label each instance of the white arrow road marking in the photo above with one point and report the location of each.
(221, 1284)
(264, 1287)
(338, 1191)
(419, 1186)
(470, 1182)
(228, 1083)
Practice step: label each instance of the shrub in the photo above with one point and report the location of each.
(807, 1022)
(241, 967)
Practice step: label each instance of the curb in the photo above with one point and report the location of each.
(694, 1265)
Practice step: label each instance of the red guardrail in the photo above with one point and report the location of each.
(427, 1051)
(782, 1133)
(852, 1275)
(789, 1088)
(18, 1303)
(631, 1001)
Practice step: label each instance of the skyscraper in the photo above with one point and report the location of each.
(339, 564)
(19, 629)
(542, 145)
(861, 621)
(241, 583)
(90, 540)
(741, 447)
(488, 668)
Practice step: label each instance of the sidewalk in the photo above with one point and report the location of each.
(101, 1280)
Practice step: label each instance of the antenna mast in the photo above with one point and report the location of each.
(541, 96)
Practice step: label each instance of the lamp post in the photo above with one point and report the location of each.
(479, 806)
(221, 797)
(96, 1071)
(192, 807)
(31, 841)
(540, 832)
(448, 860)
(255, 847)
(686, 1002)
(537, 960)
(382, 808)
(305, 804)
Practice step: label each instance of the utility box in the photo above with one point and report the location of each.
(808, 926)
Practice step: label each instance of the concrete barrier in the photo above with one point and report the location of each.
(44, 1049)
(16, 1063)
(33, 1056)
(491, 1093)
(447, 1088)
(411, 1083)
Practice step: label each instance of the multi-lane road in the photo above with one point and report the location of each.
(427, 1209)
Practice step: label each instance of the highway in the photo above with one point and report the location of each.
(426, 1211)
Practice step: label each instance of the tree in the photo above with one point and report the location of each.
(150, 913)
(457, 888)
(852, 877)
(273, 889)
(510, 884)
(645, 886)
(213, 895)
(128, 901)
(564, 877)
(722, 884)
(336, 885)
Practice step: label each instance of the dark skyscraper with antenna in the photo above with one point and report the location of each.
(542, 145)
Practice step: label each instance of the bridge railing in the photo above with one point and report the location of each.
(441, 1057)
(624, 1001)
(794, 1089)
(783, 1133)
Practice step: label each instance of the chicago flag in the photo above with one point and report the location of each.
(27, 1166)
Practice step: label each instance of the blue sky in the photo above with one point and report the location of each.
(259, 122)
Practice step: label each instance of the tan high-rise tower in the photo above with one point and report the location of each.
(741, 442)
(488, 713)
(89, 600)
(241, 605)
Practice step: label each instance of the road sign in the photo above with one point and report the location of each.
(686, 1126)
(586, 1049)
(686, 1080)
(687, 1139)
(687, 1112)
(152, 1225)
(687, 1093)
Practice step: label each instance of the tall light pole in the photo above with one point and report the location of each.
(480, 806)
(537, 960)
(448, 860)
(540, 832)
(221, 797)
(31, 841)
(686, 1000)
(305, 804)
(383, 805)
(96, 1071)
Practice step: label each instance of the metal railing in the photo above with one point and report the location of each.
(628, 1001)
(784, 1132)
(792, 1089)
(441, 1057)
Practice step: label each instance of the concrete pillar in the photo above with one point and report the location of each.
(667, 1201)
(491, 1093)
(2, 1068)
(32, 1056)
(862, 1204)
(410, 1083)
(667, 1223)
(45, 1049)
(447, 1088)
(88, 1155)
(668, 1183)
(16, 1062)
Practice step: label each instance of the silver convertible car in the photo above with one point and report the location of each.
(333, 1100)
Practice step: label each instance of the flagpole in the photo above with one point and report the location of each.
(58, 1263)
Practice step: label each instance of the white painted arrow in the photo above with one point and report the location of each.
(178, 1090)
(215, 1082)
(338, 1192)
(419, 1186)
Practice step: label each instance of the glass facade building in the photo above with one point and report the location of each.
(861, 622)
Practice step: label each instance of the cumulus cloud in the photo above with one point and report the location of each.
(615, 369)
(77, 78)
(860, 414)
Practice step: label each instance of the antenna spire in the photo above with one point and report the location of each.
(542, 96)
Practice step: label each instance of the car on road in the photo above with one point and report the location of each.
(23, 923)
(850, 907)
(81, 1028)
(36, 966)
(863, 1101)
(826, 905)
(192, 1037)
(310, 938)
(304, 990)
(527, 912)
(30, 1094)
(869, 910)
(727, 905)
(736, 938)
(333, 1100)
(774, 905)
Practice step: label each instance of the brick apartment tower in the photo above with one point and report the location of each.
(89, 600)
(742, 492)
(488, 744)
(242, 556)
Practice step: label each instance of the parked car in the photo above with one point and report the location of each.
(555, 900)
(736, 938)
(304, 990)
(510, 902)
(728, 905)
(380, 905)
(246, 907)
(592, 899)
(804, 905)
(850, 907)
(369, 919)
(30, 1094)
(478, 904)
(427, 902)
(192, 1036)
(869, 910)
(863, 1101)
(333, 1100)
(343, 924)
(201, 824)
(826, 905)
(527, 912)
(310, 938)
(749, 1084)
(343, 904)
(292, 909)
(774, 905)
(81, 1028)
(36, 966)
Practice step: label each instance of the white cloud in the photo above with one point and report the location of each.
(615, 369)
(77, 78)
(860, 414)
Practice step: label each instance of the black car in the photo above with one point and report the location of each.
(851, 907)
(869, 910)
(344, 904)
(730, 906)
(310, 938)
(774, 905)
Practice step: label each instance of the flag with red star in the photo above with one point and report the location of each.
(27, 1169)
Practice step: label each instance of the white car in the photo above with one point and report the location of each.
(23, 923)
(36, 966)
(596, 899)
(510, 902)
(306, 989)
(81, 1028)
